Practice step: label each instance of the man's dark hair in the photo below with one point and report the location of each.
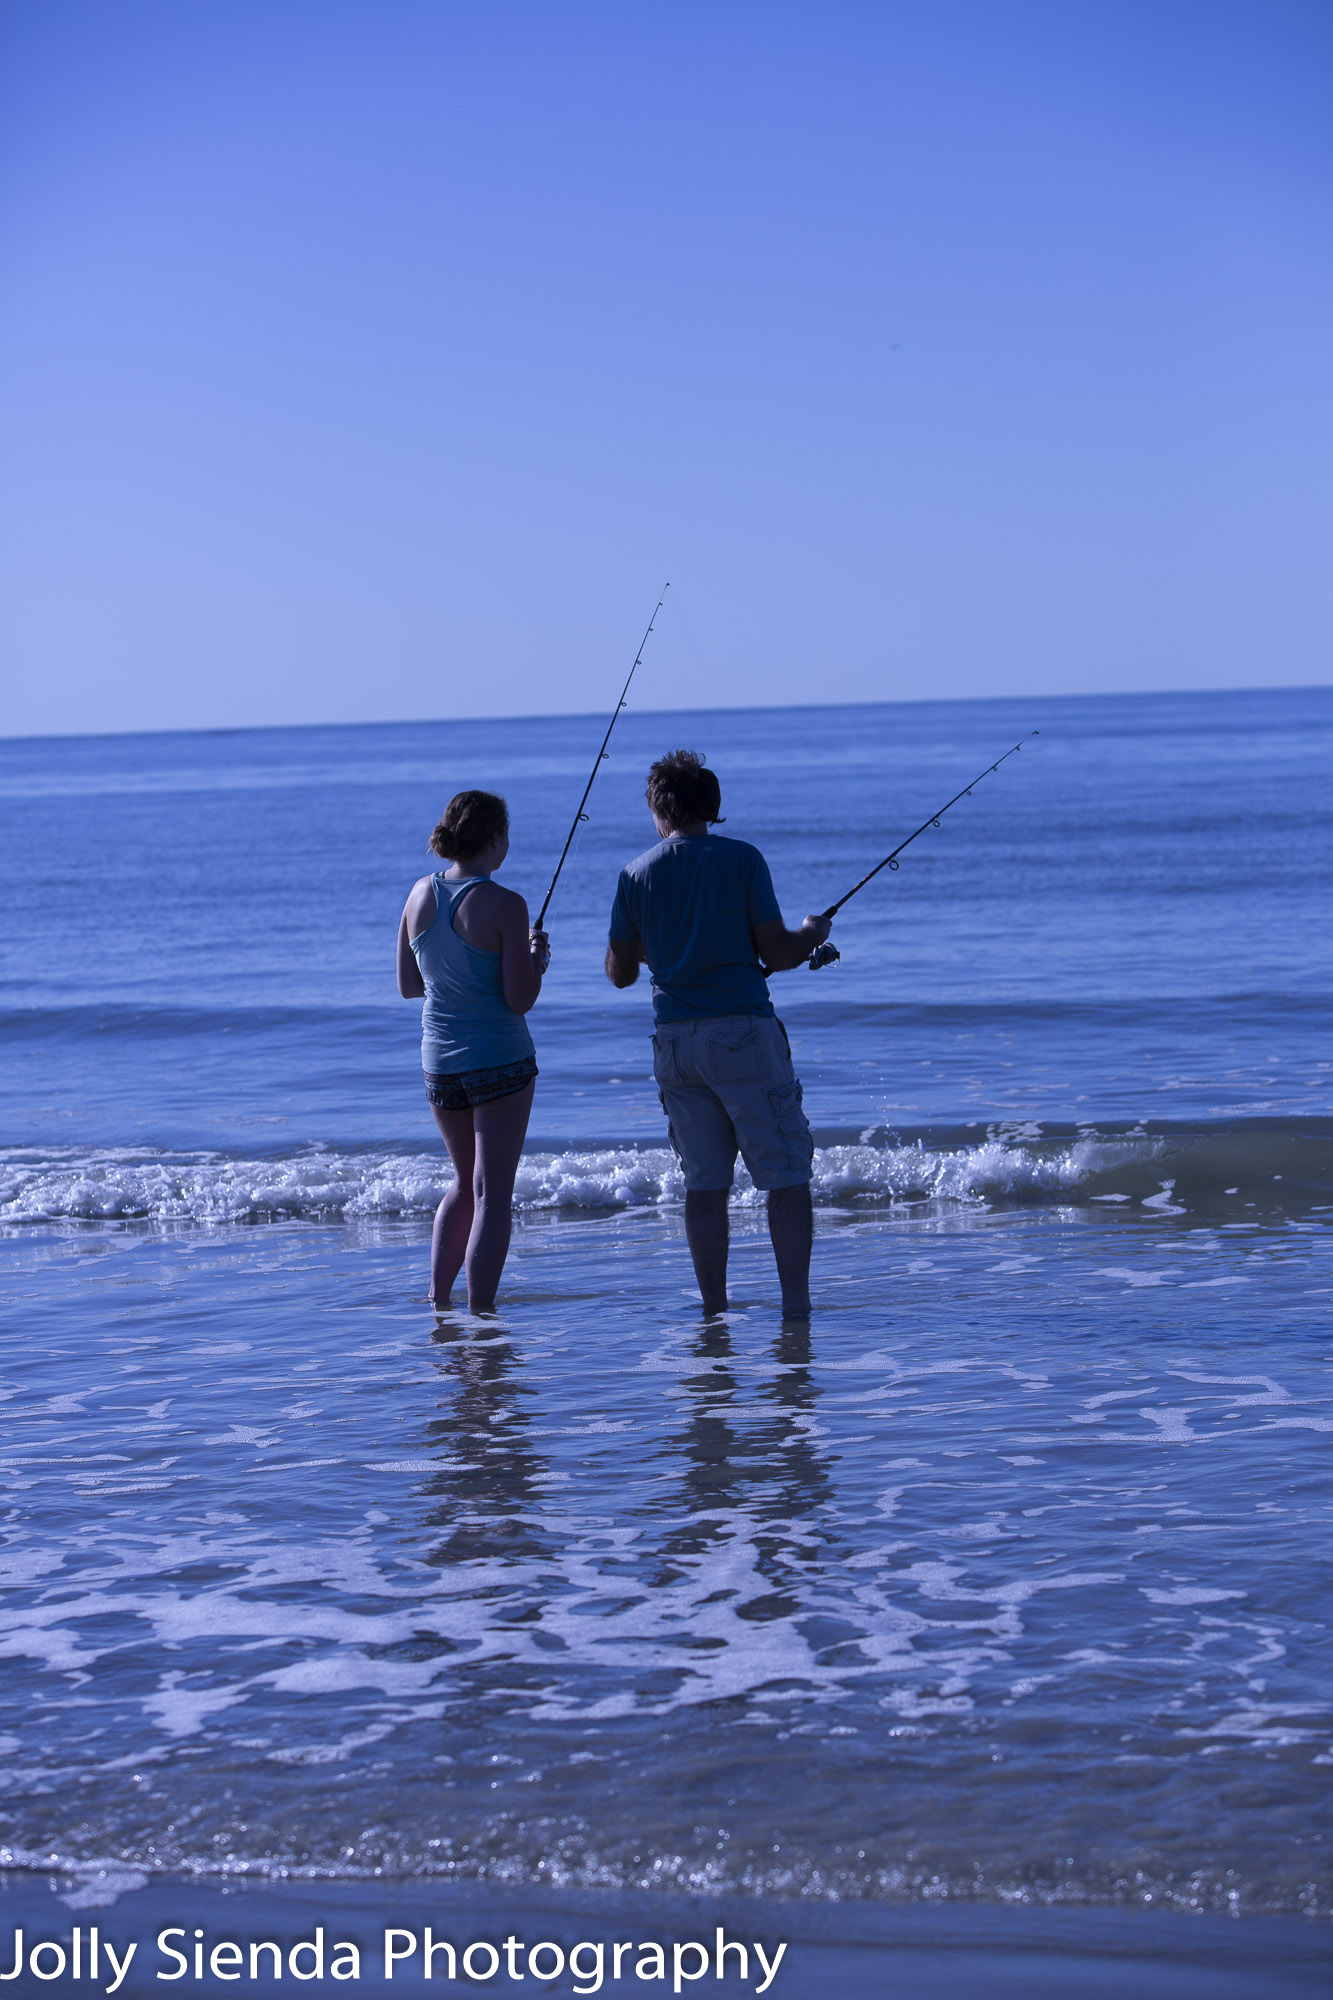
(471, 821)
(681, 789)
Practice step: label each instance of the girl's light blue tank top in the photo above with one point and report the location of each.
(466, 1022)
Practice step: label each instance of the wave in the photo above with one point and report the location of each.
(1242, 1170)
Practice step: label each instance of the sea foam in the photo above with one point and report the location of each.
(1163, 1174)
(126, 1186)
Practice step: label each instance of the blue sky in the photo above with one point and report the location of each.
(381, 360)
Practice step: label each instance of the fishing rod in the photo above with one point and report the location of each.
(826, 953)
(580, 815)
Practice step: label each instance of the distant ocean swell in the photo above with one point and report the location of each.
(817, 1011)
(1242, 1169)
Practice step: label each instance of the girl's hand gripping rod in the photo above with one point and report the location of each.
(825, 954)
(537, 932)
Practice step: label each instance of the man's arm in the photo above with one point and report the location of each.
(623, 959)
(624, 949)
(779, 948)
(782, 949)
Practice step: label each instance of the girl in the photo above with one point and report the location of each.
(464, 946)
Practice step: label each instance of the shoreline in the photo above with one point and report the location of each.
(858, 1951)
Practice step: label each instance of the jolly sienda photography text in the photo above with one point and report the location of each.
(178, 1953)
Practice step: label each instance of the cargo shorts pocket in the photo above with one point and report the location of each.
(734, 1055)
(666, 1067)
(792, 1124)
(672, 1140)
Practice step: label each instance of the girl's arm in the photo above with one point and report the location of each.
(521, 955)
(418, 914)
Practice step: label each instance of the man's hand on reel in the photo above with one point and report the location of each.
(823, 953)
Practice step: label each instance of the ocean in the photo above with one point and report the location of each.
(1002, 1587)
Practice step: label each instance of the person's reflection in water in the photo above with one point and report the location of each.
(489, 1483)
(769, 1468)
(503, 1572)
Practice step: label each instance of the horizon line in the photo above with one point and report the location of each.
(577, 714)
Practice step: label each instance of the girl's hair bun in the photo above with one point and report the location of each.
(469, 823)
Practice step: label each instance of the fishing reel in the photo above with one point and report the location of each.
(824, 954)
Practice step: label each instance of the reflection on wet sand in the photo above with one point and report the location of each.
(750, 1471)
(486, 1490)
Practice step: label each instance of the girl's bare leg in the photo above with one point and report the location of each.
(499, 1129)
(454, 1216)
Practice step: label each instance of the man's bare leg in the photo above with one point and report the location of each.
(707, 1231)
(791, 1225)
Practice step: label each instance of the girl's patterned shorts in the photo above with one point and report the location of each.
(463, 1088)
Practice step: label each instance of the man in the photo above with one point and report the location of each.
(700, 911)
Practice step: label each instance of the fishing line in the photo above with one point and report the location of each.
(826, 953)
(679, 615)
(581, 815)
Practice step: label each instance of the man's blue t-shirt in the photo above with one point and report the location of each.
(692, 902)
